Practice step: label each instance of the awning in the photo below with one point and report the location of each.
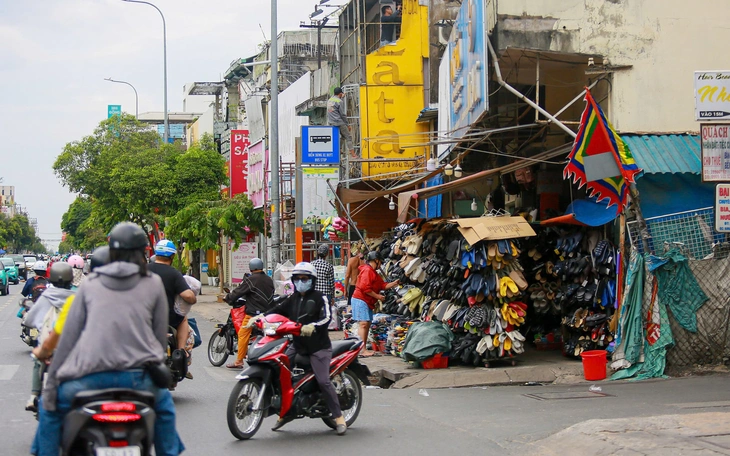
(584, 212)
(351, 195)
(670, 153)
(405, 198)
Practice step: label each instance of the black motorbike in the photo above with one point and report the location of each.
(110, 422)
(177, 359)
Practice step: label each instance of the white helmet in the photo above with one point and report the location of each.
(40, 266)
(304, 268)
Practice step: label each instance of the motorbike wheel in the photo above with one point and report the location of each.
(217, 350)
(243, 422)
(350, 381)
(5, 289)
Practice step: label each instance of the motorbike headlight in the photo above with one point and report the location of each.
(270, 328)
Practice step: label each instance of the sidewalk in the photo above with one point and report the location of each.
(697, 433)
(533, 366)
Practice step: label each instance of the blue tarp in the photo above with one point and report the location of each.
(585, 212)
(434, 203)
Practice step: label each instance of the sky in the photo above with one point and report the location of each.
(55, 55)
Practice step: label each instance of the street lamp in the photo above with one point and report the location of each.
(136, 98)
(166, 134)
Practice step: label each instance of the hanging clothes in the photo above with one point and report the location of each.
(630, 335)
(678, 287)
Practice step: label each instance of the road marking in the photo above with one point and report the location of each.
(693, 405)
(8, 371)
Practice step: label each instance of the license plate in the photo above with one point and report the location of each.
(128, 451)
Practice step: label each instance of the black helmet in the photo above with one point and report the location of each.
(127, 236)
(374, 255)
(100, 257)
(255, 264)
(323, 250)
(62, 274)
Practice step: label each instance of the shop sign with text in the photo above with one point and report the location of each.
(715, 141)
(257, 174)
(712, 95)
(239, 161)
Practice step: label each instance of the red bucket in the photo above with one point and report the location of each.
(594, 364)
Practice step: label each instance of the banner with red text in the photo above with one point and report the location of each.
(238, 168)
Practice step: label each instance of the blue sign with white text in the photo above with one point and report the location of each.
(467, 53)
(113, 110)
(320, 145)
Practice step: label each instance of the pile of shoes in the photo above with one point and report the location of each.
(378, 336)
(397, 336)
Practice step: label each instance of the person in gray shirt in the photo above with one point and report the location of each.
(116, 325)
(336, 116)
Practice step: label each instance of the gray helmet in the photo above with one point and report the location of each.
(62, 274)
(100, 257)
(323, 250)
(127, 236)
(256, 264)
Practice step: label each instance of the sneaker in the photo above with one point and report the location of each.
(189, 375)
(32, 404)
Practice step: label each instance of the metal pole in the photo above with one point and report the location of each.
(136, 97)
(166, 133)
(274, 140)
(319, 44)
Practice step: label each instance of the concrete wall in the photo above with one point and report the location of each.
(664, 40)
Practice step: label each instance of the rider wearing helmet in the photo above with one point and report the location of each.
(37, 284)
(175, 284)
(77, 263)
(325, 273)
(367, 294)
(312, 309)
(45, 350)
(116, 326)
(43, 315)
(257, 289)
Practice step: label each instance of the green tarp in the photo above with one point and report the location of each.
(426, 339)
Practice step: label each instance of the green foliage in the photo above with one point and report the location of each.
(123, 172)
(212, 272)
(16, 235)
(202, 224)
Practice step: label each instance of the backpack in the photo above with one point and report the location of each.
(39, 286)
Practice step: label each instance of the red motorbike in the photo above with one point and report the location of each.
(274, 384)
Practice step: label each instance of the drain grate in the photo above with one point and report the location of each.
(567, 395)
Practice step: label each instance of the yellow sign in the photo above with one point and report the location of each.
(393, 97)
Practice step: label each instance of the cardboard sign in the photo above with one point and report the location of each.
(493, 228)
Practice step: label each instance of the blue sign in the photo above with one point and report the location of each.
(177, 131)
(204, 267)
(468, 66)
(113, 110)
(320, 145)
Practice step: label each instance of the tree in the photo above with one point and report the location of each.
(17, 235)
(123, 172)
(203, 224)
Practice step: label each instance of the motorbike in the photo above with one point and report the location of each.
(224, 340)
(177, 359)
(274, 384)
(110, 422)
(27, 335)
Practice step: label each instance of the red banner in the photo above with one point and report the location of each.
(238, 169)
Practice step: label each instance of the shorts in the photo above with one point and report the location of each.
(174, 319)
(361, 311)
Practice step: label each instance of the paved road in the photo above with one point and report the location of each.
(454, 421)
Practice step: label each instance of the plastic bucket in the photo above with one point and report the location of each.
(594, 364)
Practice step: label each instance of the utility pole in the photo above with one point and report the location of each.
(319, 25)
(274, 141)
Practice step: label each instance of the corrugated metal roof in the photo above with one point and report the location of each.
(666, 153)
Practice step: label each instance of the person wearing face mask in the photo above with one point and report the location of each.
(367, 294)
(312, 309)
